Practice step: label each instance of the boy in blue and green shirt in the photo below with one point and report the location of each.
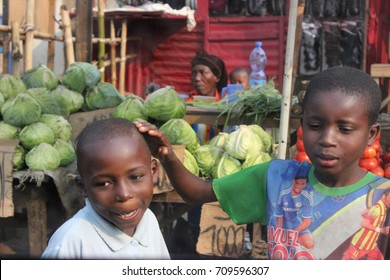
(340, 111)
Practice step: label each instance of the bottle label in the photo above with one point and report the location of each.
(254, 83)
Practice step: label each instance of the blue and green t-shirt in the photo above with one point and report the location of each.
(316, 222)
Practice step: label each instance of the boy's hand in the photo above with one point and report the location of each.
(158, 142)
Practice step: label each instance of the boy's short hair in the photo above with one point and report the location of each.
(351, 81)
(107, 129)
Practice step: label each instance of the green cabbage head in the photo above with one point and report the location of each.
(264, 136)
(40, 76)
(103, 95)
(43, 157)
(8, 131)
(18, 159)
(256, 158)
(242, 142)
(226, 165)
(206, 156)
(72, 99)
(180, 132)
(11, 85)
(61, 127)
(50, 104)
(132, 108)
(66, 151)
(219, 139)
(21, 110)
(190, 163)
(81, 77)
(164, 104)
(36, 133)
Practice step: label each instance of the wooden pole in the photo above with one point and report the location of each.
(287, 81)
(51, 44)
(54, 37)
(37, 35)
(83, 44)
(68, 39)
(17, 51)
(28, 59)
(113, 53)
(102, 35)
(122, 71)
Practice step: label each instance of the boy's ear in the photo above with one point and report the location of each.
(374, 131)
(81, 186)
(154, 168)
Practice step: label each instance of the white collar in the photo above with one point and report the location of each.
(113, 236)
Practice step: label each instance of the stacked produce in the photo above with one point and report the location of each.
(224, 154)
(371, 159)
(300, 154)
(35, 108)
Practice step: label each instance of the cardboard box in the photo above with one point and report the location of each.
(7, 149)
(219, 235)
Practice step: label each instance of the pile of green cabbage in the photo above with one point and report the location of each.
(228, 153)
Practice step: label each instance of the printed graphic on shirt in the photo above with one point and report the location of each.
(306, 224)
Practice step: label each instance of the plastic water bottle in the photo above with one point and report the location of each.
(257, 61)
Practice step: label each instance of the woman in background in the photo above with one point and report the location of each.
(208, 74)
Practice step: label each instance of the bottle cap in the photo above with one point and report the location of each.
(259, 44)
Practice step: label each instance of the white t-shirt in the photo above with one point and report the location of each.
(88, 236)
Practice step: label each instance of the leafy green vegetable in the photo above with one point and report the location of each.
(8, 131)
(190, 163)
(66, 152)
(206, 156)
(242, 142)
(61, 127)
(72, 99)
(18, 159)
(254, 104)
(11, 85)
(132, 108)
(81, 77)
(40, 76)
(164, 104)
(49, 103)
(21, 110)
(36, 133)
(103, 95)
(264, 136)
(226, 165)
(43, 157)
(180, 132)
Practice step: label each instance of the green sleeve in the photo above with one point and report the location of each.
(242, 195)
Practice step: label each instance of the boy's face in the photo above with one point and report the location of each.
(335, 134)
(241, 78)
(118, 176)
(203, 80)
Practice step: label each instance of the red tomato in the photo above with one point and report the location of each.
(386, 158)
(369, 152)
(368, 163)
(378, 171)
(301, 156)
(299, 145)
(299, 132)
(387, 171)
(377, 146)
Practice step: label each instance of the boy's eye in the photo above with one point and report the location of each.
(314, 126)
(345, 129)
(136, 177)
(103, 184)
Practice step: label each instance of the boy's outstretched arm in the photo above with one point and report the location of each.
(190, 187)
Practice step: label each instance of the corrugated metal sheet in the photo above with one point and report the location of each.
(165, 56)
